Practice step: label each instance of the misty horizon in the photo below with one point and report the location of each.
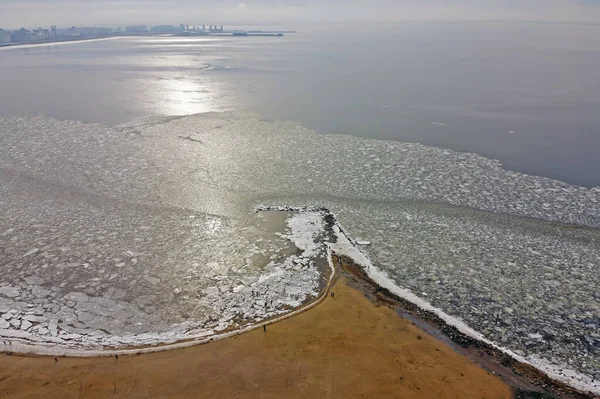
(15, 14)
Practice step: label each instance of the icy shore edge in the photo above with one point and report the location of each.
(343, 246)
(305, 232)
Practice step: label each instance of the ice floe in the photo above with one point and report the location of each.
(284, 284)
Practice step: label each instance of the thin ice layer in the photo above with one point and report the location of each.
(33, 315)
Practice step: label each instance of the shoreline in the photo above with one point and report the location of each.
(522, 376)
(434, 321)
(547, 375)
(524, 380)
(95, 39)
(347, 346)
(57, 43)
(38, 350)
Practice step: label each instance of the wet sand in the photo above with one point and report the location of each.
(347, 346)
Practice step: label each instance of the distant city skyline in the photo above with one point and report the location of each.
(55, 34)
(33, 13)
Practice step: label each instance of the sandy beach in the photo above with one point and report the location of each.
(347, 346)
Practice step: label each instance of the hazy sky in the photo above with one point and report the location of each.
(31, 13)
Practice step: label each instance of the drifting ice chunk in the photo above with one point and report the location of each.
(40, 292)
(239, 288)
(9, 291)
(69, 337)
(15, 334)
(25, 325)
(31, 252)
(35, 319)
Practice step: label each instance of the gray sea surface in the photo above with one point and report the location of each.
(464, 86)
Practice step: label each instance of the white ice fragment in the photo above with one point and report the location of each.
(32, 251)
(9, 291)
(239, 288)
(69, 337)
(4, 324)
(14, 334)
(34, 280)
(535, 336)
(77, 297)
(40, 292)
(35, 319)
(25, 325)
(249, 280)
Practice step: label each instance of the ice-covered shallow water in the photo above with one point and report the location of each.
(209, 275)
(178, 195)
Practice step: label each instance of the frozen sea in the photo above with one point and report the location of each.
(130, 171)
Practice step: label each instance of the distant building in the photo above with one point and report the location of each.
(215, 28)
(4, 37)
(136, 29)
(164, 29)
(73, 31)
(20, 36)
(88, 31)
(182, 28)
(38, 35)
(62, 33)
(48, 35)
